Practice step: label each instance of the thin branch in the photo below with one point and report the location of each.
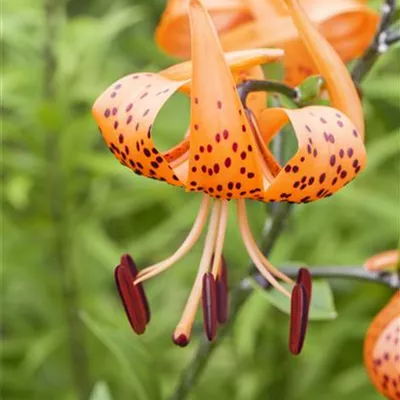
(379, 44)
(266, 86)
(393, 37)
(387, 12)
(390, 279)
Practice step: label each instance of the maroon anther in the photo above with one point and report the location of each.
(222, 293)
(131, 298)
(181, 340)
(209, 305)
(127, 261)
(304, 277)
(299, 306)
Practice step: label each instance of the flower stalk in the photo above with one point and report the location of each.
(384, 38)
(250, 86)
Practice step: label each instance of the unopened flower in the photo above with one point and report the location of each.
(225, 157)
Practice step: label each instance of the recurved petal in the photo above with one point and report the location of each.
(382, 349)
(221, 145)
(340, 85)
(173, 31)
(238, 61)
(125, 114)
(298, 64)
(330, 153)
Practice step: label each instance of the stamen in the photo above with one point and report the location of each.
(131, 299)
(220, 238)
(127, 261)
(188, 243)
(222, 293)
(299, 306)
(304, 277)
(209, 305)
(262, 264)
(185, 324)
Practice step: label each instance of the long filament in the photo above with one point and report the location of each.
(186, 246)
(185, 324)
(255, 253)
(220, 238)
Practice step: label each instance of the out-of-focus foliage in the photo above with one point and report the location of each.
(69, 210)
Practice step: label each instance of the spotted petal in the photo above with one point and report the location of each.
(340, 85)
(173, 32)
(221, 144)
(330, 153)
(125, 114)
(381, 349)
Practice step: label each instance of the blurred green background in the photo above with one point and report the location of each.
(69, 211)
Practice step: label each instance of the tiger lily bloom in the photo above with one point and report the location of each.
(382, 341)
(382, 349)
(225, 156)
(348, 25)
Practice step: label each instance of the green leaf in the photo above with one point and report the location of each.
(322, 304)
(100, 392)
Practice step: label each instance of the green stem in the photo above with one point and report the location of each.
(393, 37)
(266, 86)
(378, 46)
(58, 217)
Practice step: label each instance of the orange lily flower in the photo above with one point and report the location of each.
(382, 341)
(225, 156)
(348, 25)
(382, 350)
